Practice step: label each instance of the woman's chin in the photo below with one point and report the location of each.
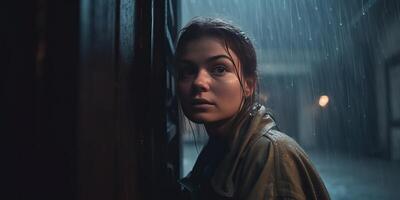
(201, 118)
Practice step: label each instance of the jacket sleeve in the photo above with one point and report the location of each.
(275, 167)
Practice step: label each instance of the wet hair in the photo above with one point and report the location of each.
(233, 38)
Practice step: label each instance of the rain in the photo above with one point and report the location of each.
(329, 71)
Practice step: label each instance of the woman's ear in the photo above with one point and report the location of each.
(249, 87)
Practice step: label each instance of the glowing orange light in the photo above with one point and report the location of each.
(323, 100)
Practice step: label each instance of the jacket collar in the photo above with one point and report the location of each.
(257, 122)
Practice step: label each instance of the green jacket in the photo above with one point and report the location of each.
(257, 162)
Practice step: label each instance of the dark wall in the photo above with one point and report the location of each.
(84, 105)
(39, 104)
(122, 125)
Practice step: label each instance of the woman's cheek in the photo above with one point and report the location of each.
(229, 93)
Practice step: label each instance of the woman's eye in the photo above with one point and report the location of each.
(219, 70)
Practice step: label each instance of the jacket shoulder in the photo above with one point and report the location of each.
(283, 142)
(289, 157)
(268, 168)
(273, 140)
(295, 174)
(273, 143)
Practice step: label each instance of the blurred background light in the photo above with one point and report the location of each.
(323, 101)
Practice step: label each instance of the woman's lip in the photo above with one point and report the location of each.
(201, 102)
(202, 106)
(194, 104)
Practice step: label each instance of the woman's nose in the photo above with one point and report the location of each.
(202, 81)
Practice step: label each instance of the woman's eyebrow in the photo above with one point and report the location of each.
(208, 60)
(213, 58)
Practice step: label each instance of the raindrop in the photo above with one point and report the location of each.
(316, 8)
(340, 24)
(362, 8)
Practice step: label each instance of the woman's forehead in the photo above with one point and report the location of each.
(205, 47)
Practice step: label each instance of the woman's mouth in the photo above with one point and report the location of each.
(200, 101)
(201, 104)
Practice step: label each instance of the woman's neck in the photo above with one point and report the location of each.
(219, 129)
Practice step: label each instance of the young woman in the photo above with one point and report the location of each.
(246, 157)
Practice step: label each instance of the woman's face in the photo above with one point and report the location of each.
(209, 85)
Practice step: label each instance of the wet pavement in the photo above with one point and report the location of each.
(364, 178)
